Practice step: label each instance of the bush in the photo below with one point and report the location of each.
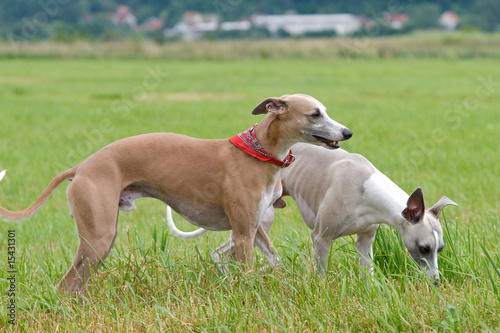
(424, 15)
(254, 33)
(321, 34)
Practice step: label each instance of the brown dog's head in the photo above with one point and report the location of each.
(306, 119)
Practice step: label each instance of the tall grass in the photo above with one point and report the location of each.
(459, 45)
(56, 112)
(144, 288)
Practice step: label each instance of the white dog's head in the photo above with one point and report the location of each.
(422, 232)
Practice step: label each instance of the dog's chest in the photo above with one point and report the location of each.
(269, 195)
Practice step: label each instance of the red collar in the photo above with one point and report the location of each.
(247, 141)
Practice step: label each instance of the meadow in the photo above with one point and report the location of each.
(428, 122)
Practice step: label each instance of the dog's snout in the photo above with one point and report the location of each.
(347, 133)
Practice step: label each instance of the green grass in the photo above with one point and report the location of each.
(406, 118)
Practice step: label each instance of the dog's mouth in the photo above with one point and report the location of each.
(329, 143)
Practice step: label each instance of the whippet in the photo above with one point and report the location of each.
(340, 194)
(214, 184)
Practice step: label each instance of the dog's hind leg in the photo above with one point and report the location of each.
(263, 242)
(96, 213)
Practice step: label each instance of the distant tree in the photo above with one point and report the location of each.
(98, 25)
(32, 19)
(487, 14)
(15, 10)
(424, 15)
(61, 31)
(69, 11)
(99, 6)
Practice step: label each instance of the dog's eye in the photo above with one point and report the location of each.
(440, 249)
(315, 115)
(423, 249)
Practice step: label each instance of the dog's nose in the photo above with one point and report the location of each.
(347, 133)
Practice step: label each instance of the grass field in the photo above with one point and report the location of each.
(432, 123)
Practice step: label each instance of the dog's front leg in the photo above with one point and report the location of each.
(262, 241)
(244, 215)
(321, 251)
(243, 238)
(364, 245)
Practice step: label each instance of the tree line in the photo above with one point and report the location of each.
(89, 19)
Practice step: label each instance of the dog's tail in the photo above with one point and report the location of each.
(181, 234)
(10, 216)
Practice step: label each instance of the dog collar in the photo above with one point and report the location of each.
(247, 141)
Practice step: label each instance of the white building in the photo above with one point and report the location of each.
(124, 16)
(242, 25)
(296, 24)
(449, 20)
(193, 26)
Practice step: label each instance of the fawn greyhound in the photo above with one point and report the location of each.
(339, 194)
(214, 184)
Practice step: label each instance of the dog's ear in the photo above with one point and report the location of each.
(280, 203)
(415, 208)
(436, 209)
(271, 104)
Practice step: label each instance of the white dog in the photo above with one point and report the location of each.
(340, 194)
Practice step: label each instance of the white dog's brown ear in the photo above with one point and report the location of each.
(415, 208)
(436, 209)
(271, 104)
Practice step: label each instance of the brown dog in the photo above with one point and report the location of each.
(211, 183)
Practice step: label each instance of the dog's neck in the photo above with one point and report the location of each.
(395, 219)
(387, 199)
(271, 137)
